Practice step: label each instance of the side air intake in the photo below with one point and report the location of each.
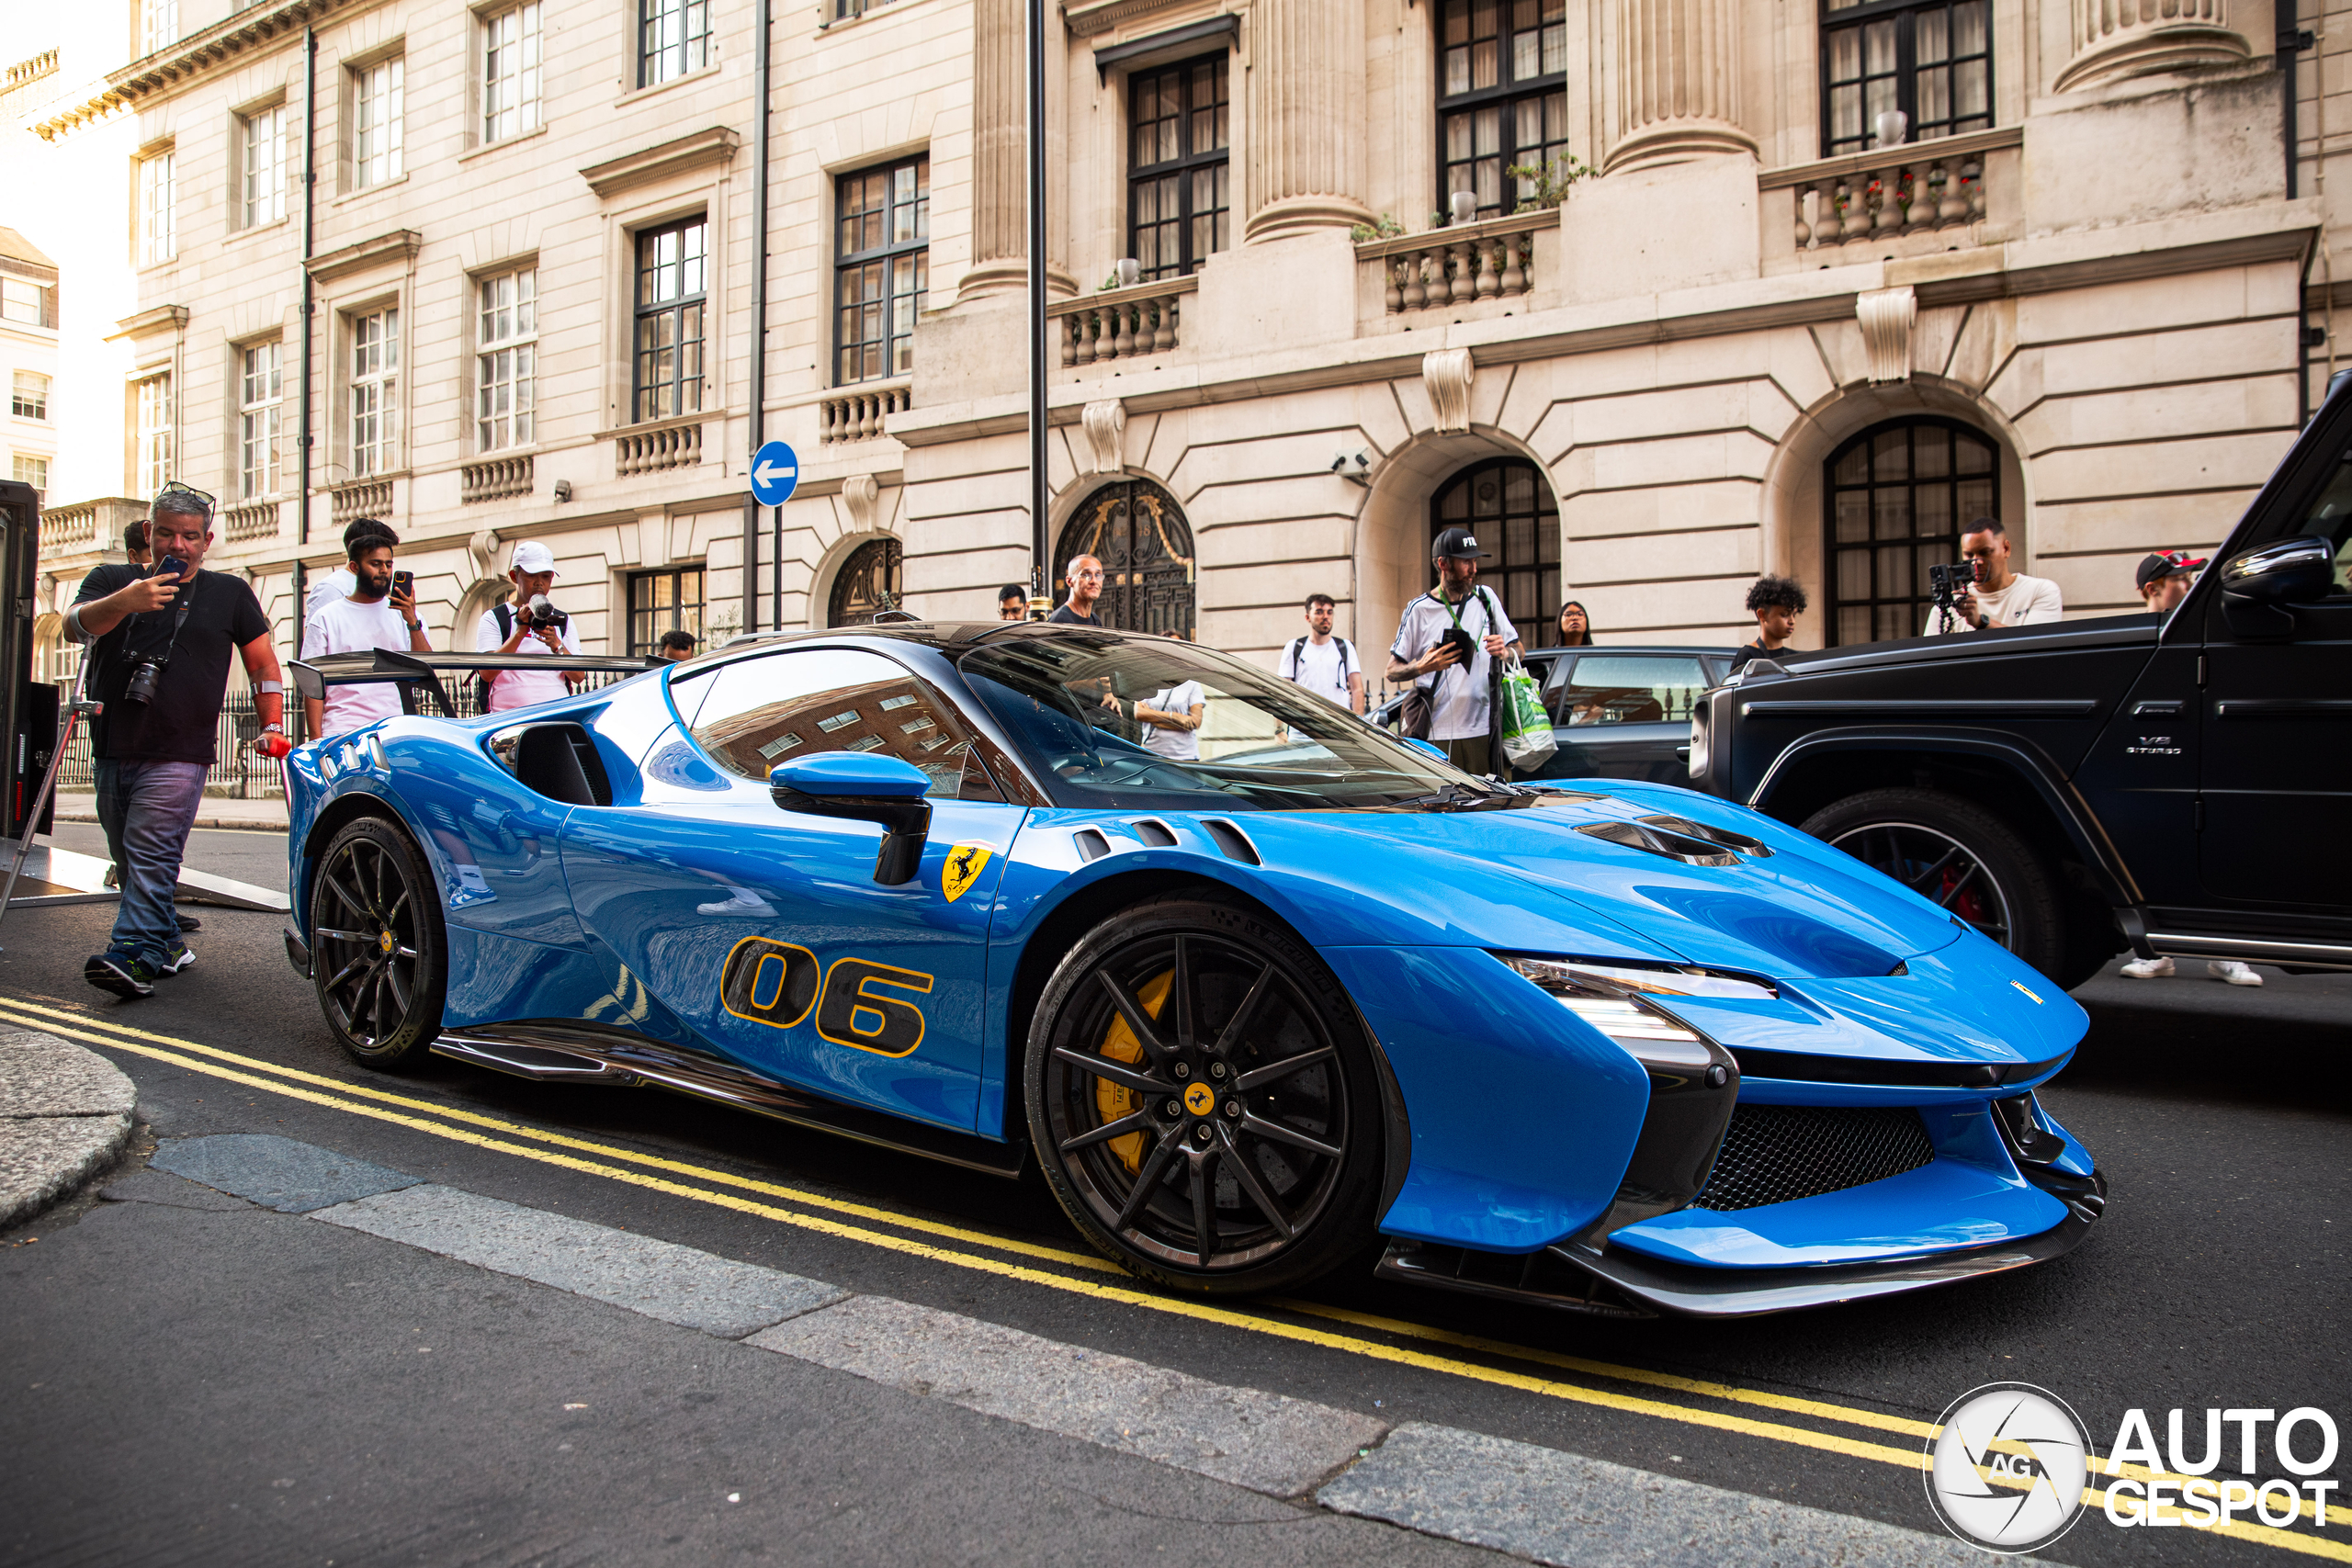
(1231, 840)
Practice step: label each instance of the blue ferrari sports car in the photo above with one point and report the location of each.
(1254, 983)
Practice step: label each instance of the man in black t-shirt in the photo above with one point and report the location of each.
(1085, 576)
(1776, 603)
(159, 655)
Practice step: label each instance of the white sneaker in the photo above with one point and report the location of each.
(741, 901)
(2147, 969)
(471, 888)
(2235, 973)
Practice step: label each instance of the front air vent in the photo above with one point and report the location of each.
(1231, 840)
(1679, 838)
(1154, 833)
(1091, 845)
(1776, 1153)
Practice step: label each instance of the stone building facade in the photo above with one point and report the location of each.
(1658, 294)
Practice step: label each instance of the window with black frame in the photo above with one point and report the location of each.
(665, 601)
(1506, 502)
(1934, 62)
(1179, 191)
(672, 281)
(1502, 97)
(882, 263)
(1898, 496)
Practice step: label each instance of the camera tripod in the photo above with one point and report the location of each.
(76, 711)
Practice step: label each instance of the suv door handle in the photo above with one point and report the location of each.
(2282, 707)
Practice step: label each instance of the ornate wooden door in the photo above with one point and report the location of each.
(1139, 533)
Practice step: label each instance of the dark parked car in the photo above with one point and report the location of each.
(1617, 712)
(2177, 785)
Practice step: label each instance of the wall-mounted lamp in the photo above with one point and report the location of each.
(563, 489)
(1353, 466)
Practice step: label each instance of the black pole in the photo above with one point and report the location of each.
(310, 185)
(1040, 561)
(759, 317)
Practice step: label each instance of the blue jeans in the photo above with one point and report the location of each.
(147, 810)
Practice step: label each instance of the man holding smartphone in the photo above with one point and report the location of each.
(379, 612)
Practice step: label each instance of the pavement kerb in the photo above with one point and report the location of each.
(65, 1117)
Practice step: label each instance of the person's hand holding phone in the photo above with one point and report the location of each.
(403, 596)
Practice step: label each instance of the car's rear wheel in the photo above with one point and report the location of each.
(1960, 857)
(379, 953)
(1201, 1100)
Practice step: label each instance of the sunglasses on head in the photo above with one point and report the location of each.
(175, 487)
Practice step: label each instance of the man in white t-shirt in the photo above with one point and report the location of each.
(371, 615)
(1431, 639)
(1324, 664)
(507, 628)
(1172, 721)
(2000, 597)
(338, 583)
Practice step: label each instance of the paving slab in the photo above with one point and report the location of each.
(64, 1116)
(41, 1074)
(276, 1173)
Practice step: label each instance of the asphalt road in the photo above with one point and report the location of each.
(2218, 1279)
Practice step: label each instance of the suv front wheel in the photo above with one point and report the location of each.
(1958, 856)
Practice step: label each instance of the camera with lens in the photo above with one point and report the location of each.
(539, 614)
(146, 678)
(1945, 583)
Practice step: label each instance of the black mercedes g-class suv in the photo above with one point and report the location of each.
(2175, 784)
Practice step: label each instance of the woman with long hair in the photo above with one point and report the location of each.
(1576, 627)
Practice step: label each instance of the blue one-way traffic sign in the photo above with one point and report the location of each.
(775, 474)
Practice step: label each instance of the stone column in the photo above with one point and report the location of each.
(1000, 144)
(1677, 83)
(1306, 108)
(2117, 38)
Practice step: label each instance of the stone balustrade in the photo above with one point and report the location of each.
(495, 479)
(859, 415)
(650, 449)
(1121, 323)
(1916, 188)
(362, 497)
(1436, 271)
(250, 519)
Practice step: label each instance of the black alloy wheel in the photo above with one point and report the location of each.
(1203, 1099)
(377, 952)
(1958, 856)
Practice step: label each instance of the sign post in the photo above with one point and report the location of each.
(775, 474)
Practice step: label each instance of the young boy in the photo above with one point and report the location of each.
(1776, 603)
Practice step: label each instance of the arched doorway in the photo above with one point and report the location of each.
(1138, 533)
(872, 580)
(1506, 502)
(1894, 499)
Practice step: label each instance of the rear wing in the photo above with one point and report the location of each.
(417, 674)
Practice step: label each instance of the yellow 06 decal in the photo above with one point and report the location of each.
(767, 982)
(963, 869)
(852, 1011)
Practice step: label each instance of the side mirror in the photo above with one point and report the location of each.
(2258, 585)
(862, 786)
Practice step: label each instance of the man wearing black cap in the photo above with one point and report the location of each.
(1447, 644)
(2165, 578)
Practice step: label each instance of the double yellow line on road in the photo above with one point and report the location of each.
(835, 1217)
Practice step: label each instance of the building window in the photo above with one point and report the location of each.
(1934, 62)
(29, 399)
(265, 153)
(672, 275)
(156, 240)
(1502, 97)
(27, 303)
(159, 25)
(259, 392)
(1508, 505)
(153, 454)
(375, 374)
(30, 470)
(882, 266)
(376, 92)
(1897, 498)
(510, 72)
(673, 38)
(871, 580)
(503, 388)
(1180, 192)
(665, 601)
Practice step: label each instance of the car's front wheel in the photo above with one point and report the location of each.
(1201, 1100)
(378, 953)
(1961, 857)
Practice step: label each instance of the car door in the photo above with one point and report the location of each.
(2274, 789)
(763, 930)
(1625, 716)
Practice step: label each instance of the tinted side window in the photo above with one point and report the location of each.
(2330, 517)
(1616, 688)
(798, 703)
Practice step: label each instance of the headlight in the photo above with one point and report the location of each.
(1614, 999)
(1698, 740)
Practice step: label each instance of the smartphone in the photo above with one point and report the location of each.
(403, 585)
(170, 566)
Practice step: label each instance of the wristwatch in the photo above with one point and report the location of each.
(416, 626)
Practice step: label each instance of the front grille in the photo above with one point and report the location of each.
(1775, 1153)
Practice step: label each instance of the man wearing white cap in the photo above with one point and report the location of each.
(510, 628)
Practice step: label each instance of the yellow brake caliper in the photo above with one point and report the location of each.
(1119, 1042)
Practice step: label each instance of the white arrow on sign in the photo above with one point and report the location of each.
(768, 473)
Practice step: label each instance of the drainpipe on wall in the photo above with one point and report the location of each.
(760, 339)
(302, 436)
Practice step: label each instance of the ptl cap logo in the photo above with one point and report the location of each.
(2007, 1469)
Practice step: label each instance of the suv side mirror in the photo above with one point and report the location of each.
(2258, 585)
(862, 786)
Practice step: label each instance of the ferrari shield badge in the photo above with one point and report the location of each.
(963, 869)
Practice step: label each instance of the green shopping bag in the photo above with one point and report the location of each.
(1524, 726)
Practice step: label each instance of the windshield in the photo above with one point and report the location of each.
(1127, 723)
